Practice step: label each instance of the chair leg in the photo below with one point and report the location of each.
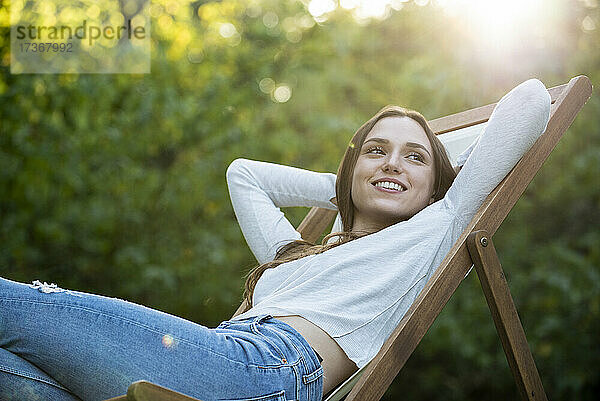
(506, 318)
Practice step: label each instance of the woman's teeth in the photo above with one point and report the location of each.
(389, 185)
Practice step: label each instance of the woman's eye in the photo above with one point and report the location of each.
(375, 148)
(416, 157)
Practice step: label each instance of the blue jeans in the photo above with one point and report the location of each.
(59, 345)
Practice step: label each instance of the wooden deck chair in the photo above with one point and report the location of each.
(474, 247)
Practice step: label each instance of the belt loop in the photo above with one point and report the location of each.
(260, 318)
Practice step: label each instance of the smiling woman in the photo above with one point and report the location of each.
(338, 294)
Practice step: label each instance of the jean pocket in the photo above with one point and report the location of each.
(256, 329)
(277, 396)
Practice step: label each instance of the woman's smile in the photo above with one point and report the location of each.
(389, 185)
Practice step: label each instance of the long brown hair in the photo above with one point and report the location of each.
(444, 176)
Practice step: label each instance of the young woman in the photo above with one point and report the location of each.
(314, 313)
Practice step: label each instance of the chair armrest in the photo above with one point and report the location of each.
(146, 391)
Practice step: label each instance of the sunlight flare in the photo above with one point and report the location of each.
(497, 22)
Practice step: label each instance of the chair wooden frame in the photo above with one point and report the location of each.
(474, 247)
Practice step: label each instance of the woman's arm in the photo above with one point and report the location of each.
(258, 189)
(518, 119)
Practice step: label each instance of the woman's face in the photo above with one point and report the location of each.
(398, 157)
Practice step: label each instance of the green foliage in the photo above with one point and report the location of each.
(115, 184)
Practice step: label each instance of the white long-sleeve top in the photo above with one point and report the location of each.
(359, 291)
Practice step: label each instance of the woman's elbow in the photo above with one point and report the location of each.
(535, 103)
(534, 92)
(234, 168)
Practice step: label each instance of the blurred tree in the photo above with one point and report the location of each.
(115, 184)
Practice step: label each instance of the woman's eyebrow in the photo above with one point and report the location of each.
(380, 140)
(419, 146)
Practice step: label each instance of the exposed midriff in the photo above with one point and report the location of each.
(337, 367)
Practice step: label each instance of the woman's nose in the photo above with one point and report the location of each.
(392, 164)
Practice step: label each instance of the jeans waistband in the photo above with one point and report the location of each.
(291, 333)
